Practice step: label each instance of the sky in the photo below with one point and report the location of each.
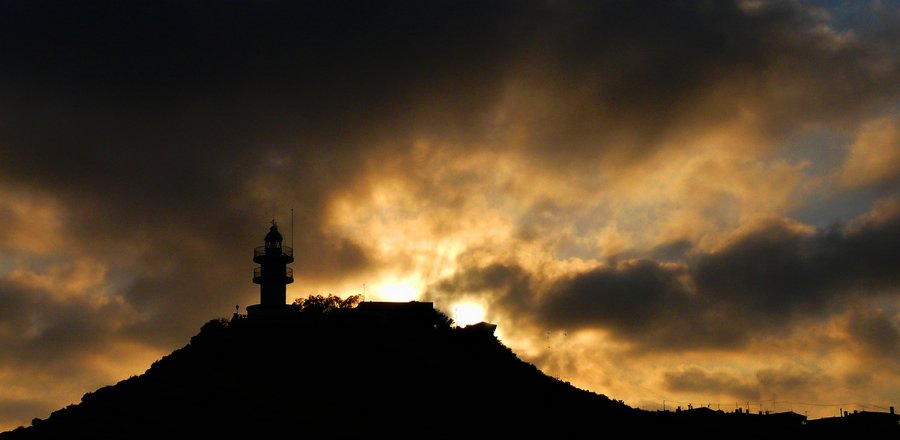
(667, 202)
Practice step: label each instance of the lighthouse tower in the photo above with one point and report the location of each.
(272, 275)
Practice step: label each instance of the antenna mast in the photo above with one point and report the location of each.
(292, 228)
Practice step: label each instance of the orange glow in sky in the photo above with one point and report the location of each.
(466, 313)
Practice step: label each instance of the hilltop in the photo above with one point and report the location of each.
(380, 370)
(347, 373)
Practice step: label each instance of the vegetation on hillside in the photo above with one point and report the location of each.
(320, 305)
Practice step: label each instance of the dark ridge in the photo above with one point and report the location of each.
(343, 374)
(363, 373)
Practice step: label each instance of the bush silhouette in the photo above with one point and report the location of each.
(318, 305)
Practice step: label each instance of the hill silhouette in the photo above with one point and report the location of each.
(333, 375)
(381, 370)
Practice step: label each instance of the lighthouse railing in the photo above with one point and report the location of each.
(288, 272)
(261, 250)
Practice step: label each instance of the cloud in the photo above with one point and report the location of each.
(59, 323)
(580, 80)
(765, 383)
(699, 381)
(633, 298)
(787, 381)
(507, 285)
(200, 122)
(877, 330)
(772, 276)
(23, 409)
(873, 153)
(54, 337)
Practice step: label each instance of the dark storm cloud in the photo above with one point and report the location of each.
(642, 286)
(170, 102)
(54, 347)
(15, 298)
(628, 74)
(508, 284)
(878, 331)
(780, 271)
(770, 277)
(641, 301)
(765, 382)
(697, 380)
(156, 114)
(39, 329)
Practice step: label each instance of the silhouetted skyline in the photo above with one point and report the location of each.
(376, 369)
(657, 201)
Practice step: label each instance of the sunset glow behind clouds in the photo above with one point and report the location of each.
(682, 201)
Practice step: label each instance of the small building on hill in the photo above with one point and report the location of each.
(480, 329)
(397, 315)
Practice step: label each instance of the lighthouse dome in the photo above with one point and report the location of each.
(273, 235)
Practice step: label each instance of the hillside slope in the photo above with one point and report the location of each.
(335, 376)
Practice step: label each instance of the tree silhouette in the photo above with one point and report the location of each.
(442, 321)
(318, 305)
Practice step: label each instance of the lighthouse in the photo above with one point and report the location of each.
(272, 275)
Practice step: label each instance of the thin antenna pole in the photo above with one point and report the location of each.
(292, 228)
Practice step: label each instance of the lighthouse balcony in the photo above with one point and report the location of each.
(287, 277)
(261, 251)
